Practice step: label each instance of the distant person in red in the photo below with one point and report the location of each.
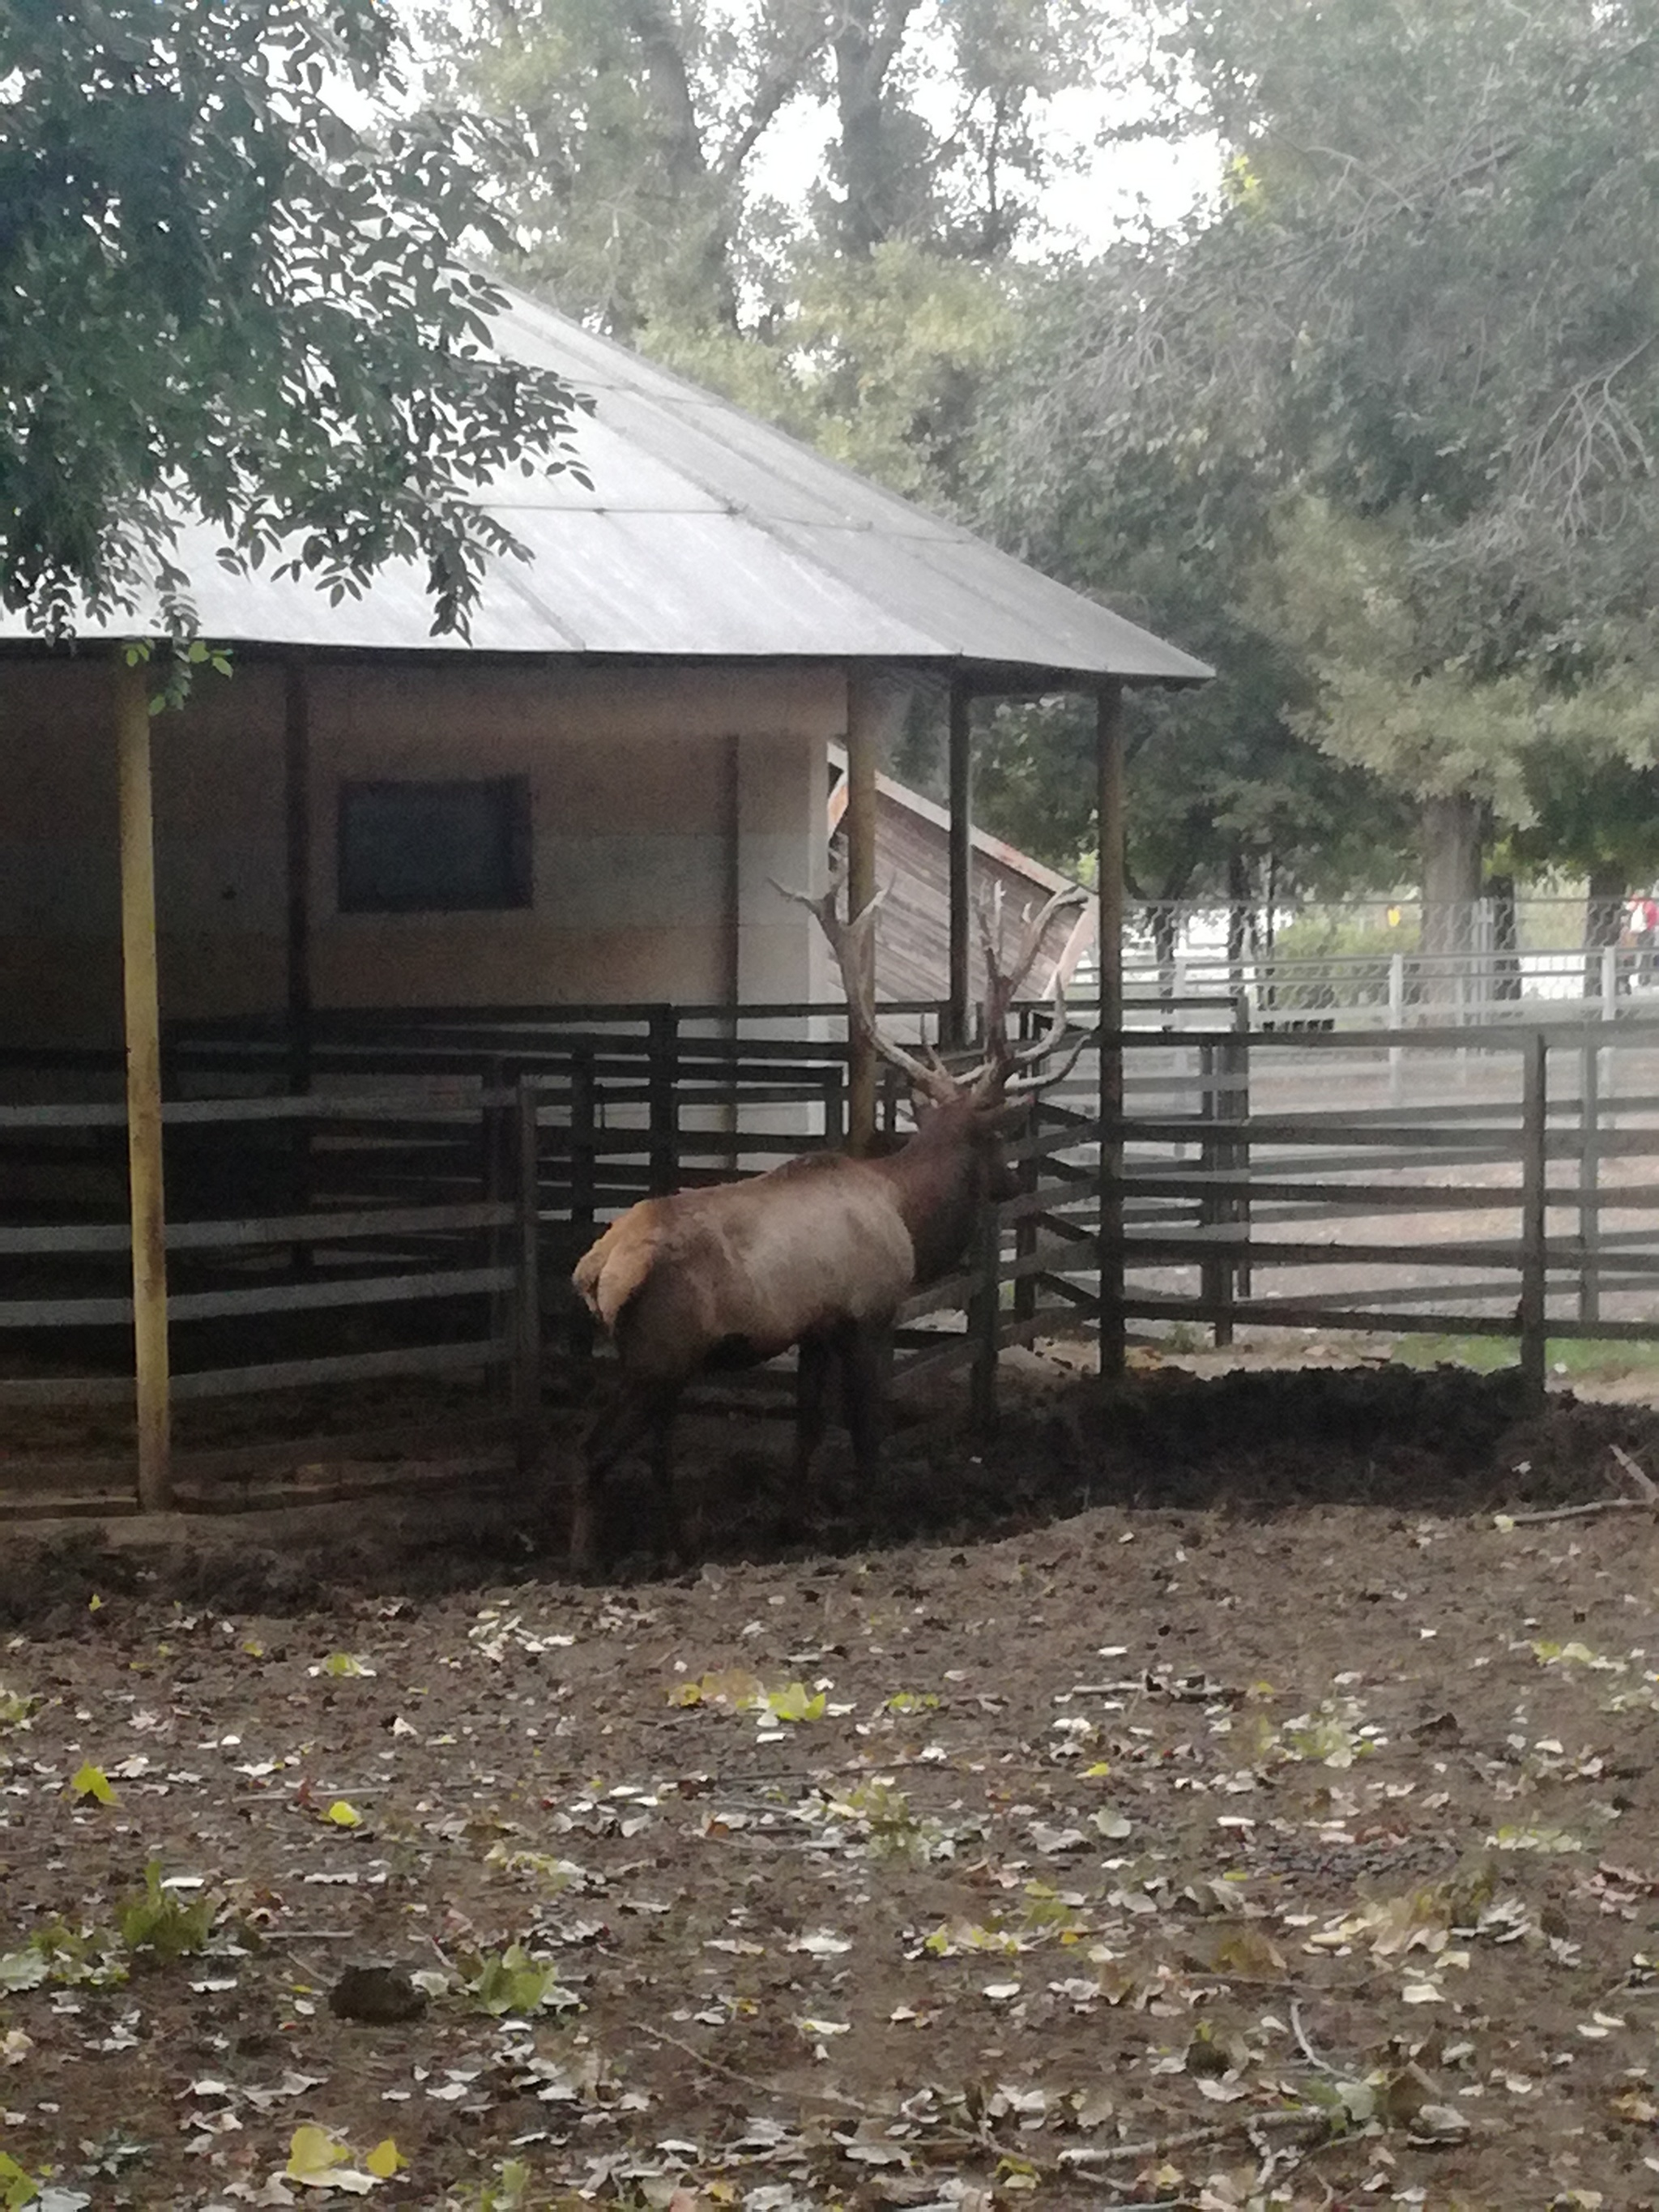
(1641, 935)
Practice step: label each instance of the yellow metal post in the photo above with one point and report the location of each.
(1111, 885)
(143, 1043)
(864, 718)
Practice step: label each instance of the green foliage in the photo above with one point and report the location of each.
(1420, 562)
(509, 2191)
(886, 1813)
(158, 1923)
(1171, 524)
(67, 1957)
(1359, 954)
(1389, 407)
(627, 137)
(879, 363)
(1327, 933)
(19, 2185)
(217, 294)
(512, 1981)
(1419, 170)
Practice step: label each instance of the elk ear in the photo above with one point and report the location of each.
(1003, 1115)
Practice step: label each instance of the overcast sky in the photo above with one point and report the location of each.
(1119, 185)
(1112, 186)
(1115, 186)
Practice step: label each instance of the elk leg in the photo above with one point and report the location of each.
(816, 1357)
(662, 1474)
(863, 1348)
(631, 1415)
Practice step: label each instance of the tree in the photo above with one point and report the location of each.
(628, 130)
(623, 133)
(1424, 321)
(868, 320)
(968, 190)
(216, 297)
(1169, 522)
(1446, 210)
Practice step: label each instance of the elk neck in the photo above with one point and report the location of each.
(939, 1178)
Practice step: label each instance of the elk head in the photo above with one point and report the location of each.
(983, 1098)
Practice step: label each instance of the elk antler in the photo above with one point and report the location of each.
(853, 943)
(996, 1076)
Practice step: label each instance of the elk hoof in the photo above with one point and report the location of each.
(797, 1519)
(584, 1559)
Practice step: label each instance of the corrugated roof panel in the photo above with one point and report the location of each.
(705, 533)
(694, 445)
(1077, 622)
(684, 585)
(977, 608)
(626, 474)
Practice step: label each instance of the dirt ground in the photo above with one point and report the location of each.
(1218, 1793)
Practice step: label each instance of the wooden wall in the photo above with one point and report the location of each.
(635, 776)
(913, 931)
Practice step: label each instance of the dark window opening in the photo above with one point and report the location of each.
(434, 848)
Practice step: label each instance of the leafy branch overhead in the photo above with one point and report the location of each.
(219, 297)
(1390, 405)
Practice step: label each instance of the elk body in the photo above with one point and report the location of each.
(818, 1254)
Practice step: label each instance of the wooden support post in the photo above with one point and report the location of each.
(835, 1108)
(1214, 1276)
(1109, 761)
(141, 994)
(985, 1318)
(1535, 1164)
(731, 939)
(296, 811)
(1396, 1022)
(1027, 1230)
(1590, 1177)
(662, 1069)
(1244, 1286)
(959, 1012)
(863, 719)
(296, 808)
(528, 1300)
(583, 1197)
(495, 1182)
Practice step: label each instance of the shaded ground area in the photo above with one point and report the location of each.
(1215, 1795)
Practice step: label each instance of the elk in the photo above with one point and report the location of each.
(819, 1253)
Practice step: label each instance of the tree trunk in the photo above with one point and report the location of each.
(1165, 923)
(685, 157)
(1238, 921)
(1604, 918)
(1451, 889)
(1505, 937)
(866, 45)
(678, 133)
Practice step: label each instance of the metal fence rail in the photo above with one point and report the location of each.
(431, 1190)
(1317, 991)
(434, 1288)
(1272, 1179)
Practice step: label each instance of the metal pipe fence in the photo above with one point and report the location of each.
(426, 1200)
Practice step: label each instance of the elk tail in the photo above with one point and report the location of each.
(615, 1269)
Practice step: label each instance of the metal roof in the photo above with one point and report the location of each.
(707, 535)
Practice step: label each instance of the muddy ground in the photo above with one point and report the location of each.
(1218, 1794)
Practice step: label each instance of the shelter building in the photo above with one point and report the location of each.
(588, 800)
(913, 866)
(584, 802)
